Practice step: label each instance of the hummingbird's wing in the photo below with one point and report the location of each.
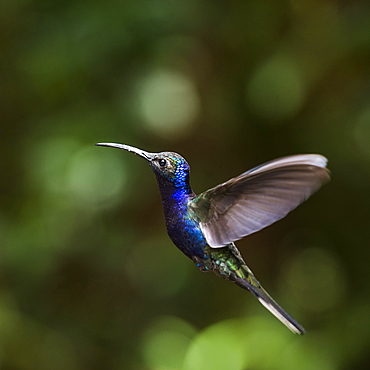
(259, 197)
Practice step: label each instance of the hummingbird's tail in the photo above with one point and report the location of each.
(245, 279)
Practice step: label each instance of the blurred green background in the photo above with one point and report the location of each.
(88, 277)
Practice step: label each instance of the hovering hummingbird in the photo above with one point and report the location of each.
(205, 226)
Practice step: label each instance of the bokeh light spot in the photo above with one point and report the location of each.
(48, 162)
(169, 103)
(166, 342)
(95, 176)
(63, 166)
(264, 338)
(276, 91)
(218, 347)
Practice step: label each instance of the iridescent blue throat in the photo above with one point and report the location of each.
(176, 195)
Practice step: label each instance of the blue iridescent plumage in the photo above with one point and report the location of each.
(176, 193)
(204, 227)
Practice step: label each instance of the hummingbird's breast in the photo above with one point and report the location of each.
(188, 237)
(182, 227)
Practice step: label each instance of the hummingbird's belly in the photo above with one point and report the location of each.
(188, 237)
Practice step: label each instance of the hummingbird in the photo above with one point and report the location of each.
(205, 226)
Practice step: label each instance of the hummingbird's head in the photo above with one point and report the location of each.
(168, 166)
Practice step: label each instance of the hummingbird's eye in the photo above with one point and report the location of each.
(162, 162)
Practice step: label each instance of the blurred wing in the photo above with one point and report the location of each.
(259, 197)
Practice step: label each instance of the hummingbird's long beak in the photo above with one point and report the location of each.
(141, 153)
